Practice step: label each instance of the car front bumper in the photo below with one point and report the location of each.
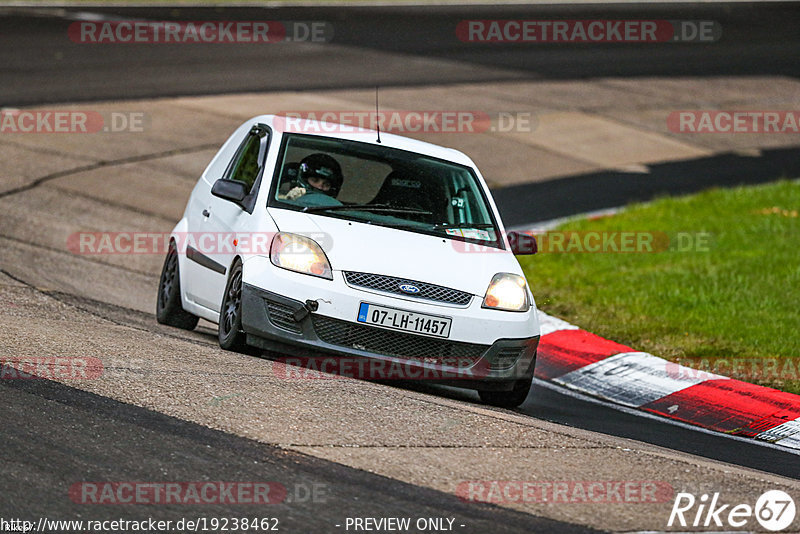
(312, 339)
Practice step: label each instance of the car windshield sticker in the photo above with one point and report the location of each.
(474, 233)
(412, 184)
(469, 233)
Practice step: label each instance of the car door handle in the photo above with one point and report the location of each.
(206, 213)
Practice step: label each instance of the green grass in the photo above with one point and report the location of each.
(738, 298)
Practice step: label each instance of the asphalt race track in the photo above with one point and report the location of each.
(759, 38)
(149, 439)
(41, 65)
(55, 435)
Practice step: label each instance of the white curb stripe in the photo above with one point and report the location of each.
(632, 378)
(549, 324)
(538, 382)
(786, 434)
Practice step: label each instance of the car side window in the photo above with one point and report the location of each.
(247, 165)
(247, 162)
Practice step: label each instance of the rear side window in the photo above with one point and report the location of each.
(247, 164)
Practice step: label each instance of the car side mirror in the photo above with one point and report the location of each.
(522, 243)
(232, 190)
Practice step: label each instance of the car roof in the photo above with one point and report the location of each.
(365, 135)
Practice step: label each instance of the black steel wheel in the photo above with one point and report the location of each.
(169, 309)
(231, 335)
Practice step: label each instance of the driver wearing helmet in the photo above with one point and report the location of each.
(319, 179)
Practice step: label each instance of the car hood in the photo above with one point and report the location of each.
(361, 247)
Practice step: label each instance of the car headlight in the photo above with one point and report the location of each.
(507, 292)
(300, 254)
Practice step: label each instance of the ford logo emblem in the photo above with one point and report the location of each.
(408, 288)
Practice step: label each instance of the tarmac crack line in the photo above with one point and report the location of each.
(43, 150)
(106, 163)
(115, 204)
(76, 256)
(58, 296)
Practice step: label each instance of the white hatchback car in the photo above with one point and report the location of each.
(336, 242)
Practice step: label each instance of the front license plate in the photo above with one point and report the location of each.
(419, 323)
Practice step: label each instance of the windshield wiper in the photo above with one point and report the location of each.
(462, 225)
(381, 208)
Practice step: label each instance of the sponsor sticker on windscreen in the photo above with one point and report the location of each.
(419, 323)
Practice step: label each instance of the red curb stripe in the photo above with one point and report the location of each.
(567, 350)
(730, 406)
(723, 405)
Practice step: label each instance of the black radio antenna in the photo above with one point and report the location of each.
(377, 115)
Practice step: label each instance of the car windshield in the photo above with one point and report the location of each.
(382, 186)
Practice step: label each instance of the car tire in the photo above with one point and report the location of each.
(507, 399)
(231, 335)
(169, 310)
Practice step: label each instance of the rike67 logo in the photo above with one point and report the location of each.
(774, 511)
